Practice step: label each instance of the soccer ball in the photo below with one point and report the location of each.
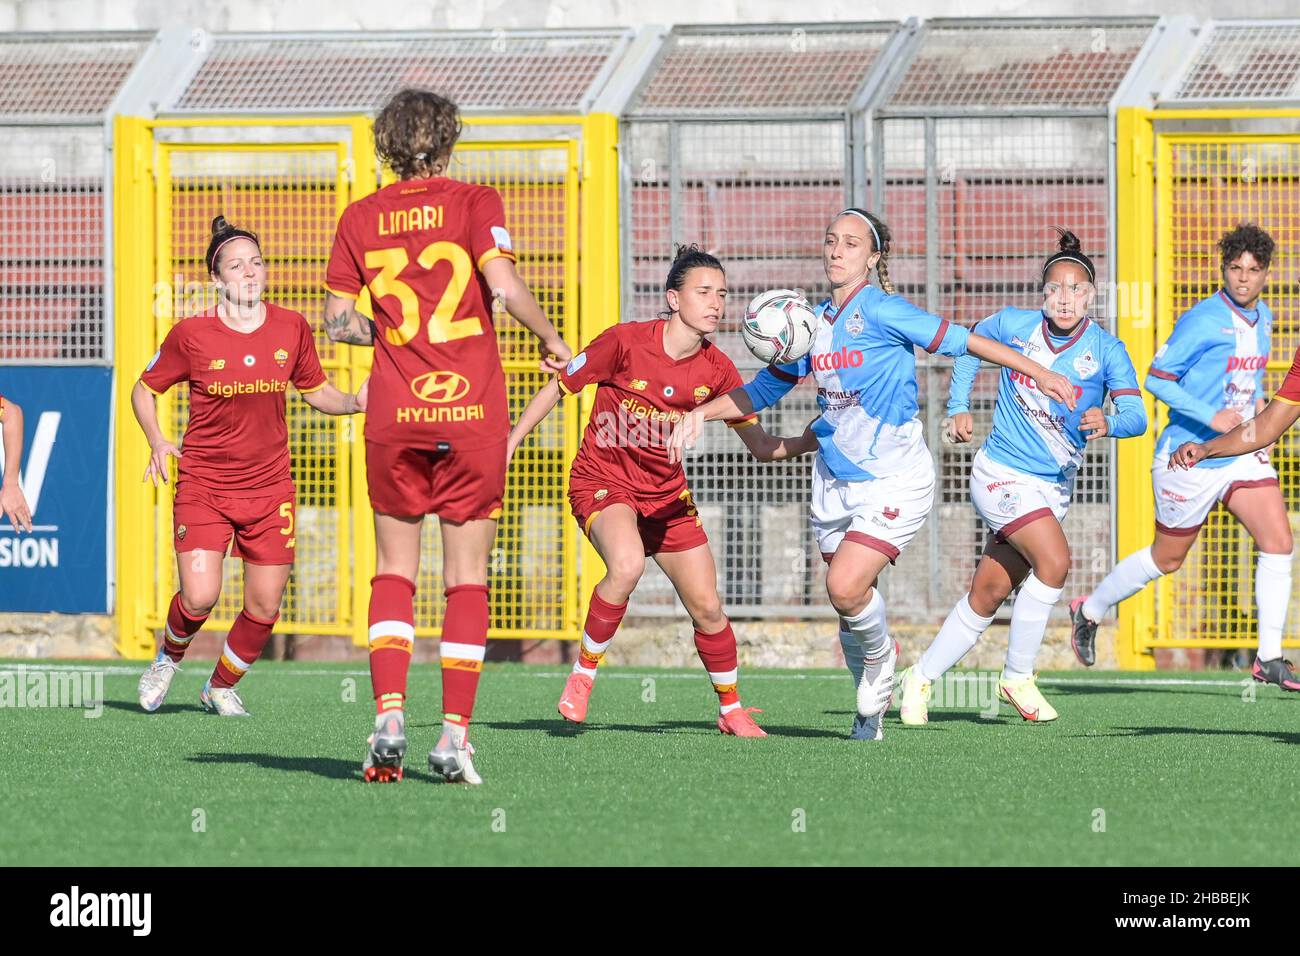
(779, 326)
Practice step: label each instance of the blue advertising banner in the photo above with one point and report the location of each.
(63, 564)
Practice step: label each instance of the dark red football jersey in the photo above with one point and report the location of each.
(642, 394)
(236, 439)
(1289, 391)
(419, 247)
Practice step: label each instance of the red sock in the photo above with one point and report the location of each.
(392, 638)
(602, 621)
(464, 639)
(180, 630)
(718, 652)
(244, 645)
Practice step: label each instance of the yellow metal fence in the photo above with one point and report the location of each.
(1178, 192)
(291, 194)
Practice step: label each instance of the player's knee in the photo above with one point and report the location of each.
(1278, 541)
(847, 595)
(709, 618)
(624, 571)
(1053, 569)
(199, 601)
(985, 599)
(261, 607)
(1167, 563)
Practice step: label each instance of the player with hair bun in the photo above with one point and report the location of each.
(1211, 374)
(630, 500)
(873, 483)
(233, 477)
(1022, 479)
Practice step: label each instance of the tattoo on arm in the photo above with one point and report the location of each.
(351, 327)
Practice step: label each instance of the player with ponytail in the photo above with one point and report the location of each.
(1022, 479)
(873, 483)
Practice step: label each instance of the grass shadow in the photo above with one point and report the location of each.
(132, 707)
(566, 729)
(1109, 689)
(1281, 736)
(332, 768)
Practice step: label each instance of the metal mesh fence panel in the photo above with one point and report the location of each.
(536, 546)
(1020, 65)
(1245, 62)
(70, 78)
(757, 195)
(291, 199)
(776, 70)
(972, 203)
(1216, 186)
(52, 281)
(482, 71)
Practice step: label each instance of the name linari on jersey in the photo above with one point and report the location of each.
(393, 221)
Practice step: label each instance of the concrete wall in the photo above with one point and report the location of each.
(639, 643)
(251, 15)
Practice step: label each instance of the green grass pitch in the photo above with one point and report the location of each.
(1180, 769)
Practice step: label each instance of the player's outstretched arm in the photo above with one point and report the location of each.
(1050, 383)
(12, 501)
(343, 323)
(331, 401)
(507, 285)
(733, 404)
(146, 413)
(767, 447)
(1261, 431)
(546, 399)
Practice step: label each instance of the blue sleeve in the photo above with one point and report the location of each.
(1182, 348)
(1130, 418)
(910, 325)
(967, 366)
(1173, 361)
(1179, 399)
(773, 383)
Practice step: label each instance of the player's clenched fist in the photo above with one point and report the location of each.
(1188, 455)
(1093, 424)
(960, 428)
(555, 354)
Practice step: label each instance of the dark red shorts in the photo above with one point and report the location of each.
(262, 522)
(455, 485)
(666, 524)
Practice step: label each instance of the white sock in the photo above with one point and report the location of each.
(1125, 580)
(1029, 616)
(852, 652)
(960, 631)
(1272, 596)
(868, 626)
(595, 650)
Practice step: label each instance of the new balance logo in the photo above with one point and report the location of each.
(216, 365)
